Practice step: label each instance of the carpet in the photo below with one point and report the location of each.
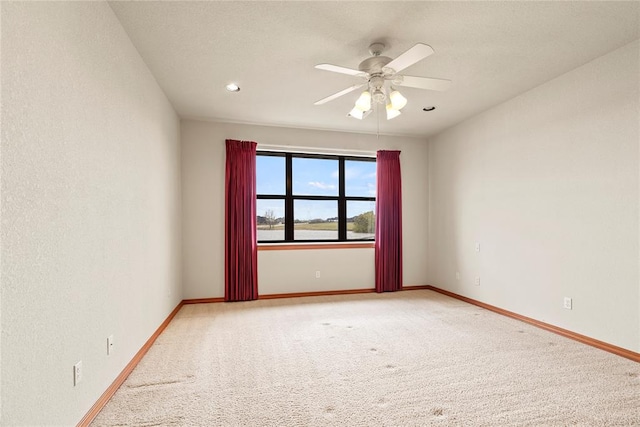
(413, 358)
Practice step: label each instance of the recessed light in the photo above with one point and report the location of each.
(232, 87)
(431, 108)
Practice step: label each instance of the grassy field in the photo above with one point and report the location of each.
(331, 226)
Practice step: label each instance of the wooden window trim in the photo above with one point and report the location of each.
(303, 246)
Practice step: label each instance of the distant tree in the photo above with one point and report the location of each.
(364, 223)
(270, 218)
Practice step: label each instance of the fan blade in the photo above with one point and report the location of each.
(337, 69)
(338, 94)
(425, 83)
(410, 57)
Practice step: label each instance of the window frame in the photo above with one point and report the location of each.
(289, 198)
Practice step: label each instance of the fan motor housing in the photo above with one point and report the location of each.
(374, 64)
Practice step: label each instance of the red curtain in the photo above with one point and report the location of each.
(241, 247)
(388, 222)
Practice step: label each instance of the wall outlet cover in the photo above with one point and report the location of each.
(77, 373)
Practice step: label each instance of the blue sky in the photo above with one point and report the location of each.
(315, 177)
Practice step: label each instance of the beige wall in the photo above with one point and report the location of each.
(90, 207)
(547, 183)
(203, 162)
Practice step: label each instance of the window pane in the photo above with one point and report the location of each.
(315, 177)
(361, 222)
(360, 178)
(270, 175)
(315, 220)
(270, 219)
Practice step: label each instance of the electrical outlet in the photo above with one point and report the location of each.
(477, 280)
(317, 274)
(477, 247)
(568, 303)
(457, 275)
(77, 373)
(109, 345)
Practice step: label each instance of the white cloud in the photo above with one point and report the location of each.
(322, 185)
(352, 173)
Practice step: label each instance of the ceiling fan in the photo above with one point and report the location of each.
(376, 71)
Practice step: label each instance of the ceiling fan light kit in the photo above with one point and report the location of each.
(392, 112)
(377, 70)
(364, 102)
(397, 100)
(357, 113)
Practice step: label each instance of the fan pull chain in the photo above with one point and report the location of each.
(378, 122)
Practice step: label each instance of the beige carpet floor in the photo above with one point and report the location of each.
(414, 358)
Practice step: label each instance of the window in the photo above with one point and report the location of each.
(315, 198)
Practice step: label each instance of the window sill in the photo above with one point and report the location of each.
(301, 246)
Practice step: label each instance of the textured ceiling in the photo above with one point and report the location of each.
(492, 51)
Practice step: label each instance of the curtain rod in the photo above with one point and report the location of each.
(318, 150)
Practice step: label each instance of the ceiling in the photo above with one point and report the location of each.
(492, 51)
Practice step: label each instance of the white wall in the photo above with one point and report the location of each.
(90, 207)
(547, 183)
(203, 163)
